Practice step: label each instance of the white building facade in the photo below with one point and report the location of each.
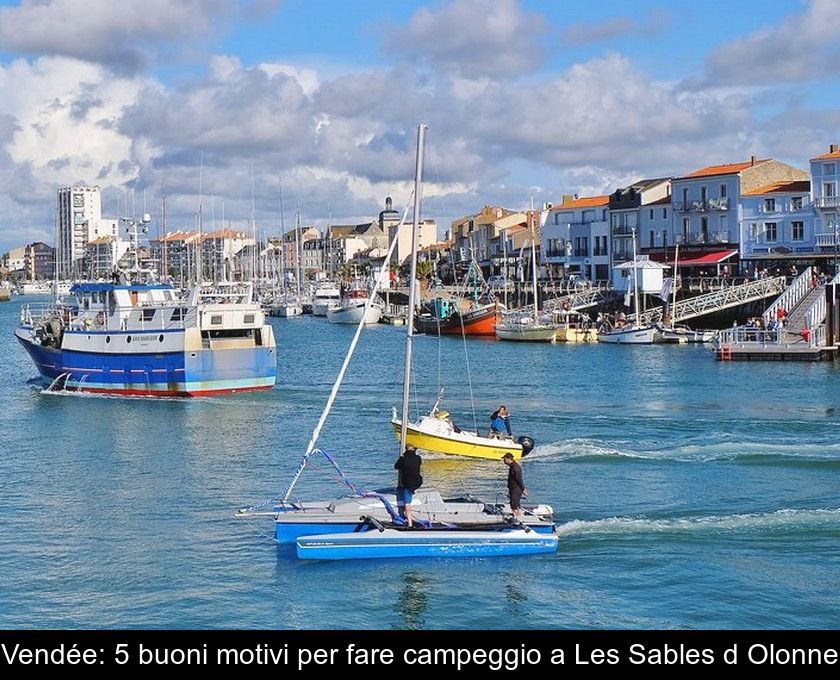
(575, 238)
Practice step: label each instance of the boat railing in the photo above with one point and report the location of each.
(38, 312)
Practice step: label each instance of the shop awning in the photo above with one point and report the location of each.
(695, 260)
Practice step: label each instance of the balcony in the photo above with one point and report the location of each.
(560, 252)
(719, 204)
(719, 237)
(679, 206)
(827, 202)
(622, 230)
(827, 240)
(700, 206)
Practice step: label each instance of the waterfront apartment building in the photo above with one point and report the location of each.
(219, 250)
(80, 221)
(102, 256)
(825, 187)
(575, 238)
(777, 223)
(655, 224)
(627, 206)
(707, 210)
(32, 262)
(473, 234)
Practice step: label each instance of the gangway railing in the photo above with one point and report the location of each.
(798, 289)
(815, 316)
(726, 298)
(577, 300)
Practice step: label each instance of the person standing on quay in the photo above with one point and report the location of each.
(516, 485)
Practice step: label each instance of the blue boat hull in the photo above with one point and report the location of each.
(419, 543)
(288, 533)
(181, 373)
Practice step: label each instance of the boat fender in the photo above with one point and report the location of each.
(527, 444)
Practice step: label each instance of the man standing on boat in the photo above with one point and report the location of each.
(410, 480)
(516, 485)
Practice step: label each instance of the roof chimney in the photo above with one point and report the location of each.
(833, 147)
(752, 161)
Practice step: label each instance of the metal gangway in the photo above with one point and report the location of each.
(578, 299)
(733, 296)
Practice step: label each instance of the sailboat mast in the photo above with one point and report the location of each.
(412, 285)
(534, 263)
(636, 282)
(674, 282)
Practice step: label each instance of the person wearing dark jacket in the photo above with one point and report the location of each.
(408, 465)
(515, 483)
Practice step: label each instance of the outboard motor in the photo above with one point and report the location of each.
(527, 445)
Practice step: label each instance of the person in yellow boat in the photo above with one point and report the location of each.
(408, 465)
(499, 422)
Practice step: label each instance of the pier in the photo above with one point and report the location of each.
(794, 326)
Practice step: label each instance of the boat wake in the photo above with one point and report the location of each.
(780, 521)
(582, 449)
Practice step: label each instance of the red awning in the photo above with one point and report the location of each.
(695, 260)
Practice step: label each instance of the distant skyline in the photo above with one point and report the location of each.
(524, 99)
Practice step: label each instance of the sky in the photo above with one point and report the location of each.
(225, 103)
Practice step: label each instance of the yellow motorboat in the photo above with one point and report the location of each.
(436, 432)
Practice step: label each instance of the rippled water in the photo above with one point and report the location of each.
(689, 493)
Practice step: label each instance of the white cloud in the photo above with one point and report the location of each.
(616, 27)
(803, 47)
(119, 34)
(474, 38)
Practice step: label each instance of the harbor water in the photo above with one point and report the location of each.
(689, 493)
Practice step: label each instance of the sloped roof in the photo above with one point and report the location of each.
(798, 186)
(585, 202)
(726, 169)
(827, 156)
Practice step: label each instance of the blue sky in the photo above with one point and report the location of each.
(524, 98)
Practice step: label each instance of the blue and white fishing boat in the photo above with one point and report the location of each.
(370, 524)
(144, 339)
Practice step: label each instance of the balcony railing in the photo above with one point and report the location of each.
(719, 204)
(623, 230)
(827, 240)
(719, 237)
(827, 202)
(700, 206)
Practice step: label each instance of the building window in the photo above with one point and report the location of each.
(686, 228)
(829, 168)
(651, 239)
(769, 205)
(651, 213)
(664, 213)
(704, 194)
(828, 189)
(723, 191)
(770, 232)
(796, 203)
(685, 198)
(798, 231)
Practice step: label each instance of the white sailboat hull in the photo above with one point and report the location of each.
(322, 307)
(355, 313)
(288, 311)
(526, 333)
(630, 335)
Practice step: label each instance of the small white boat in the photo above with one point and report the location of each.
(354, 307)
(629, 335)
(525, 329)
(683, 334)
(327, 296)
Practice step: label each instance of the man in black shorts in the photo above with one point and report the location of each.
(516, 485)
